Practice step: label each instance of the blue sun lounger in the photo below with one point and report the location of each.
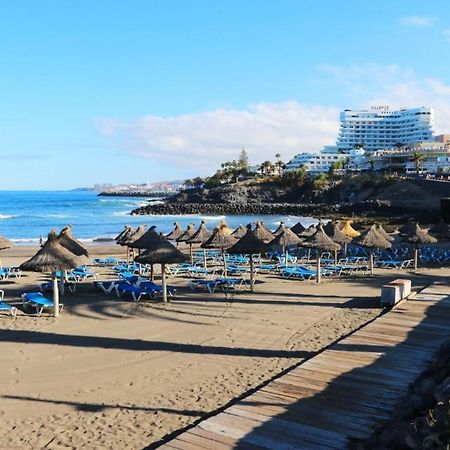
(6, 307)
(108, 261)
(144, 288)
(38, 301)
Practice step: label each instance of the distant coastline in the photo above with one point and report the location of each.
(149, 195)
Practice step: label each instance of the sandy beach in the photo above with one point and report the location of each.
(110, 373)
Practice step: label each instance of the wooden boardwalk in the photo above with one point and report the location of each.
(345, 392)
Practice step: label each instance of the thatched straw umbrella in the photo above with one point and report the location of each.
(420, 236)
(132, 237)
(124, 235)
(220, 239)
(284, 238)
(4, 244)
(310, 231)
(239, 232)
(341, 238)
(279, 229)
(161, 251)
(69, 242)
(52, 257)
(124, 232)
(225, 228)
(135, 235)
(250, 244)
(175, 233)
(187, 234)
(146, 241)
(261, 232)
(322, 243)
(384, 233)
(372, 239)
(441, 229)
(307, 233)
(349, 230)
(199, 237)
(298, 228)
(122, 238)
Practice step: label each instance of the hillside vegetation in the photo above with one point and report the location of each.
(354, 189)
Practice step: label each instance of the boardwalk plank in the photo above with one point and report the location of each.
(347, 391)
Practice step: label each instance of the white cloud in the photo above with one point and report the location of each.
(205, 139)
(417, 21)
(446, 34)
(198, 142)
(373, 84)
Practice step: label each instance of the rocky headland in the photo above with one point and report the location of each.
(390, 199)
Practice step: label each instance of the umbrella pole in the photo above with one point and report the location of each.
(345, 249)
(191, 254)
(224, 263)
(55, 295)
(163, 282)
(318, 276)
(335, 257)
(61, 282)
(309, 255)
(204, 258)
(285, 256)
(371, 262)
(252, 274)
(416, 256)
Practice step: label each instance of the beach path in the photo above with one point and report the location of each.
(343, 393)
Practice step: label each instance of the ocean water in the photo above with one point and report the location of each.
(27, 215)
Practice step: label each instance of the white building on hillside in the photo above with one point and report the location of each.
(381, 128)
(315, 163)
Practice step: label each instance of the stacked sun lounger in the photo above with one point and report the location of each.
(224, 283)
(137, 288)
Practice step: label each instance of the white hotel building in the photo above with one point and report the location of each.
(384, 128)
(363, 132)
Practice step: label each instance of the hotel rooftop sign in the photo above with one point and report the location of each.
(380, 107)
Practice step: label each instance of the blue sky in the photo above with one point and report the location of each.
(115, 91)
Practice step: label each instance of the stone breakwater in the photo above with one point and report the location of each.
(370, 208)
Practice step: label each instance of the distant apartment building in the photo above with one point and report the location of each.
(434, 159)
(381, 127)
(315, 163)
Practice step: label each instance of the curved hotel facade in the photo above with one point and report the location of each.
(367, 132)
(380, 128)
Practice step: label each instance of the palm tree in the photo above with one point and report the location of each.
(279, 163)
(417, 158)
(266, 167)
